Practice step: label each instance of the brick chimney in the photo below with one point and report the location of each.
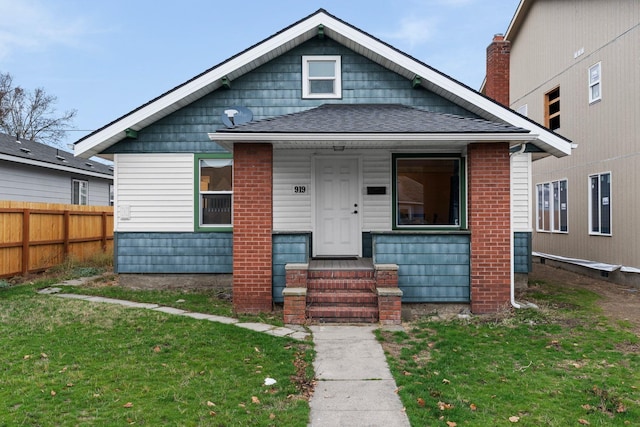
(497, 83)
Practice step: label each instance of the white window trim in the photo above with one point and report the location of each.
(81, 183)
(201, 193)
(594, 83)
(590, 224)
(553, 228)
(337, 87)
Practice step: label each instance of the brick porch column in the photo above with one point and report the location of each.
(252, 227)
(489, 221)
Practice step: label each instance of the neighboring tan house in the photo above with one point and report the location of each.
(35, 172)
(324, 168)
(574, 68)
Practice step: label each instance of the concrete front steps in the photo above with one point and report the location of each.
(338, 291)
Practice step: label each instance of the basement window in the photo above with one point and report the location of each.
(321, 77)
(552, 109)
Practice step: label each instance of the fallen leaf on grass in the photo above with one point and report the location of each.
(420, 401)
(272, 416)
(27, 357)
(514, 419)
(446, 381)
(255, 400)
(256, 349)
(209, 403)
(157, 349)
(442, 406)
(44, 356)
(406, 373)
(583, 422)
(586, 407)
(451, 424)
(63, 370)
(621, 408)
(473, 407)
(53, 393)
(212, 413)
(128, 405)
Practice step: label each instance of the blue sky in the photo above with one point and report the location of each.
(107, 57)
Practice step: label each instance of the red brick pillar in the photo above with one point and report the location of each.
(252, 227)
(490, 225)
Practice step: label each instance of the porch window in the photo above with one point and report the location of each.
(428, 192)
(321, 77)
(600, 204)
(215, 199)
(79, 192)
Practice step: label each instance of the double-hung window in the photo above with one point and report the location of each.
(600, 204)
(428, 191)
(552, 206)
(215, 191)
(79, 192)
(321, 76)
(595, 94)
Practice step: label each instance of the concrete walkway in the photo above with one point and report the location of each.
(354, 387)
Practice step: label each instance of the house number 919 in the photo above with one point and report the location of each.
(299, 189)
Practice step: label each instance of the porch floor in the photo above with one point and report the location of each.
(341, 264)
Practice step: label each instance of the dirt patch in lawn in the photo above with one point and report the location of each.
(618, 302)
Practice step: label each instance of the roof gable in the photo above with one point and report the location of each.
(287, 39)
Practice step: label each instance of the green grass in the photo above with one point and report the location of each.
(561, 365)
(68, 362)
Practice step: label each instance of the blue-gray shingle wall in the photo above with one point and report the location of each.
(431, 267)
(173, 252)
(287, 249)
(275, 89)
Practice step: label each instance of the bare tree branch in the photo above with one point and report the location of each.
(31, 115)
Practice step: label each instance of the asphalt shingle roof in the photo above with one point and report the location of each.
(45, 153)
(372, 118)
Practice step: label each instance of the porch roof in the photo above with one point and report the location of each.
(370, 125)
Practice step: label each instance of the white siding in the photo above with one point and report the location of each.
(520, 191)
(292, 212)
(376, 208)
(157, 190)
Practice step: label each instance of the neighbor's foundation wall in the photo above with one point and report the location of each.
(489, 221)
(252, 227)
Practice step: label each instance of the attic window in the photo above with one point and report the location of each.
(321, 77)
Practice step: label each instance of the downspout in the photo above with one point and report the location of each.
(523, 147)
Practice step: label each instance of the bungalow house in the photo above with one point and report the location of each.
(325, 169)
(34, 172)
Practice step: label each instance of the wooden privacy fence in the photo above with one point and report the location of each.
(36, 236)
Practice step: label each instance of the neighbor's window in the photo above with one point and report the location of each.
(428, 191)
(552, 109)
(216, 192)
(600, 203)
(110, 194)
(594, 83)
(79, 192)
(321, 77)
(552, 206)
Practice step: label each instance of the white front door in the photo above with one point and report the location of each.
(337, 205)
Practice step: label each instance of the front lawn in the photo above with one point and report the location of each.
(562, 365)
(68, 362)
